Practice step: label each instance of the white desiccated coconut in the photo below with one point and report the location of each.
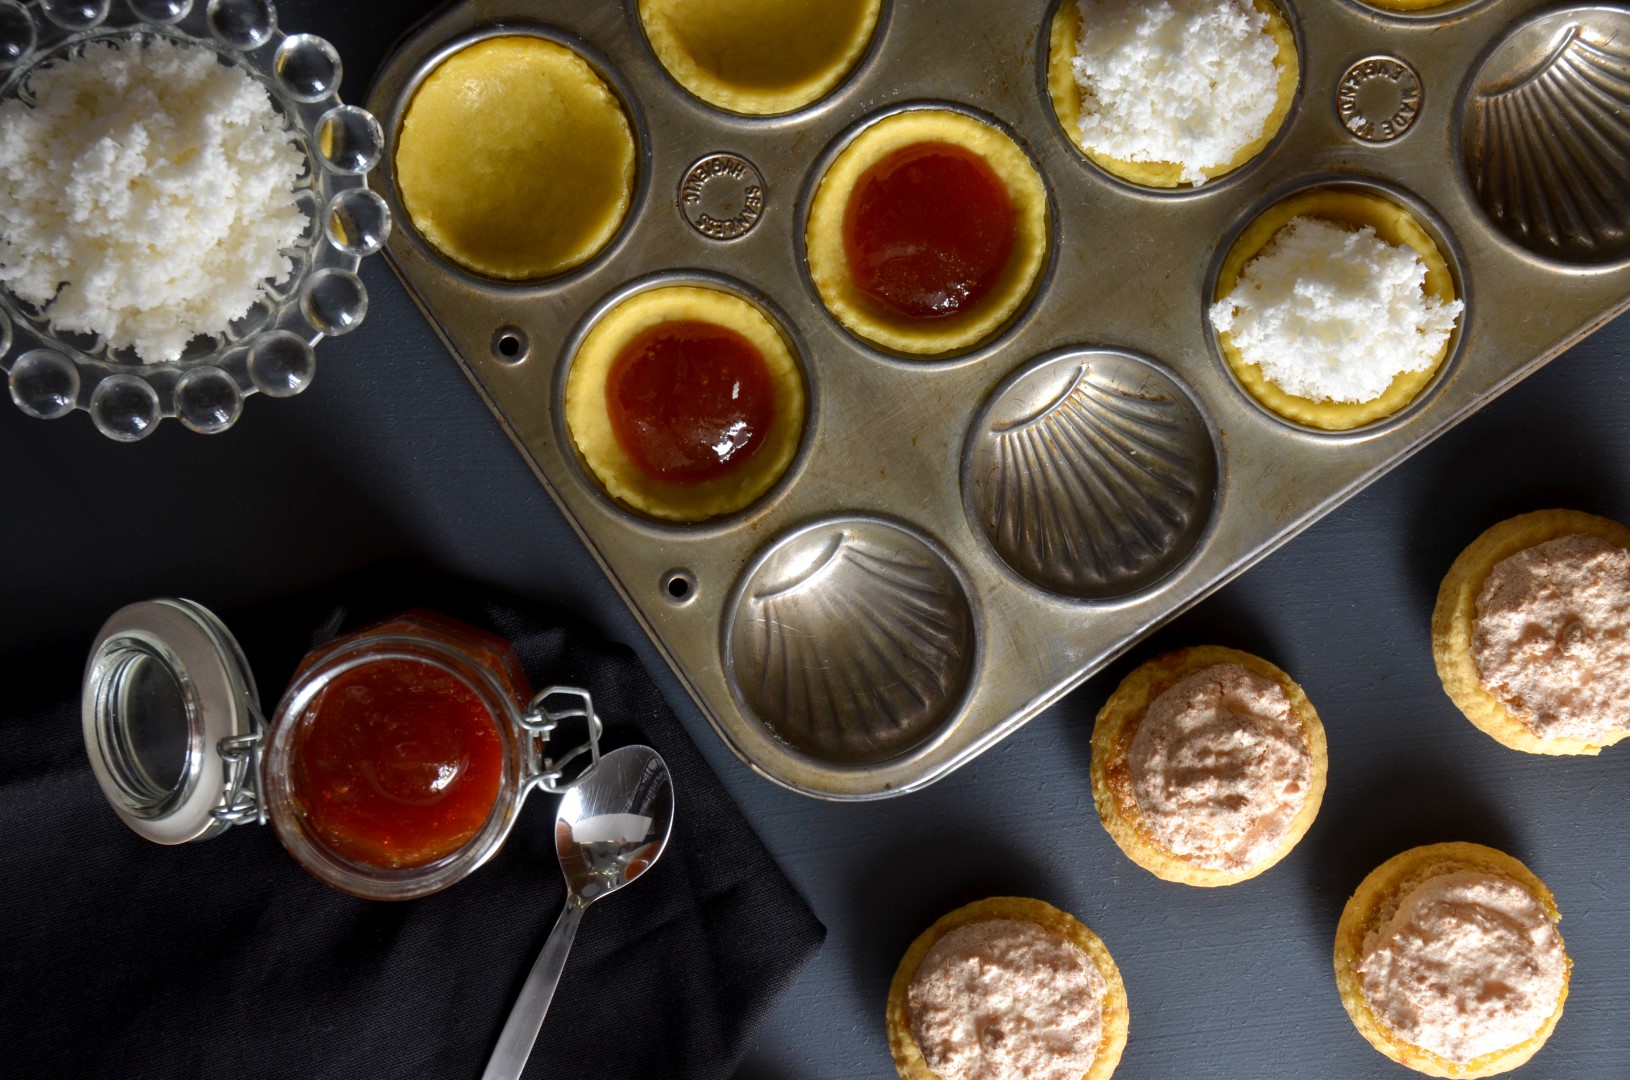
(1335, 314)
(1185, 82)
(146, 195)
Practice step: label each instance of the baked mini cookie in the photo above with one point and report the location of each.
(1242, 66)
(1239, 723)
(1305, 295)
(1449, 961)
(928, 232)
(515, 159)
(974, 990)
(1531, 632)
(685, 402)
(759, 57)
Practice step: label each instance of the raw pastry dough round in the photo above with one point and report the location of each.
(829, 265)
(1066, 94)
(1377, 897)
(1454, 621)
(908, 1059)
(590, 426)
(515, 160)
(1112, 736)
(1354, 209)
(759, 57)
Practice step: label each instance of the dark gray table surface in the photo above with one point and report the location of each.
(391, 452)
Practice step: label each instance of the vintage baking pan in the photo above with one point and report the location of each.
(960, 542)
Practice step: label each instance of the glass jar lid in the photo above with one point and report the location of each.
(172, 722)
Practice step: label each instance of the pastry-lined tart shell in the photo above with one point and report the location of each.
(908, 1059)
(759, 57)
(1378, 897)
(515, 160)
(590, 426)
(829, 265)
(1112, 736)
(1454, 622)
(1352, 209)
(1065, 39)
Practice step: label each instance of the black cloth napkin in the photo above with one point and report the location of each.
(123, 958)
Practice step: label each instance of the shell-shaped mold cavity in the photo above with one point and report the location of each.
(1092, 474)
(1546, 140)
(852, 640)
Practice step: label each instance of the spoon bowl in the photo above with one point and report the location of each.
(612, 825)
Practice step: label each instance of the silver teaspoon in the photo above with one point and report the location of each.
(611, 826)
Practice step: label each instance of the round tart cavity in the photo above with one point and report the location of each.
(759, 57)
(685, 402)
(1208, 765)
(1069, 99)
(927, 232)
(1351, 211)
(1407, 5)
(515, 160)
(1571, 631)
(1453, 945)
(998, 1037)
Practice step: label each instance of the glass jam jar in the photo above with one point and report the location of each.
(395, 763)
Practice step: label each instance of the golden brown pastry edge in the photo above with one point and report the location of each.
(908, 1059)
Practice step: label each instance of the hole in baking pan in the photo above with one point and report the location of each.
(1273, 49)
(679, 587)
(1352, 205)
(510, 345)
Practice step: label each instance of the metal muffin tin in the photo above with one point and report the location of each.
(960, 542)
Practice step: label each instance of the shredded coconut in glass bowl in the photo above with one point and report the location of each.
(184, 207)
(146, 194)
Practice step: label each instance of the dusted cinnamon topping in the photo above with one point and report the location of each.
(1006, 1000)
(1468, 965)
(1220, 767)
(1552, 638)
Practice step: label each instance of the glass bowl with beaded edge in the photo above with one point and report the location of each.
(271, 348)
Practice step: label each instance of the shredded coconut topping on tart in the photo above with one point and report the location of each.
(1335, 314)
(1182, 82)
(1220, 766)
(1552, 637)
(1006, 1000)
(1469, 964)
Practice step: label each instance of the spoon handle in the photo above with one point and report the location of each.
(526, 1018)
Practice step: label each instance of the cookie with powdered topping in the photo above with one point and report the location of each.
(1208, 765)
(1531, 632)
(1007, 989)
(1449, 962)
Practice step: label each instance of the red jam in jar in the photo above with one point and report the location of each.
(689, 401)
(397, 762)
(928, 230)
